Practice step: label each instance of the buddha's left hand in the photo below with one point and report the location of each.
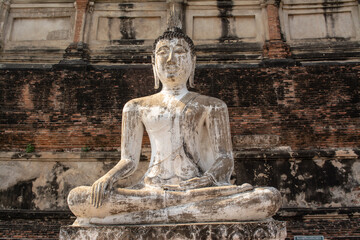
(193, 183)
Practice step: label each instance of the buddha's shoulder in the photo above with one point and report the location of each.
(136, 103)
(207, 101)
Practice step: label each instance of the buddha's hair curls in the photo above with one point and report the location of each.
(172, 33)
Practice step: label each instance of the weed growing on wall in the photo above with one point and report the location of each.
(30, 148)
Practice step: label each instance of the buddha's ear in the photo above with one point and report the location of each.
(156, 78)
(192, 73)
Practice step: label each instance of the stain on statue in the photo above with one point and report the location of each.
(188, 179)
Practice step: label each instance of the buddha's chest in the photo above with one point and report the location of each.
(172, 117)
(157, 118)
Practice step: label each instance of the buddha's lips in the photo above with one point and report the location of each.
(171, 68)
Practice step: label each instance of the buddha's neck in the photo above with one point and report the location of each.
(176, 92)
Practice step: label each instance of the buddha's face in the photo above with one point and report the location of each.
(173, 61)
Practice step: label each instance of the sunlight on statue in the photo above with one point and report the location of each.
(188, 179)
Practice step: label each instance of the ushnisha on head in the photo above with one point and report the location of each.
(174, 58)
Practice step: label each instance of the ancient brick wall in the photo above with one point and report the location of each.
(302, 107)
(59, 110)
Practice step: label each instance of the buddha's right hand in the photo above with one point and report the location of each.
(99, 189)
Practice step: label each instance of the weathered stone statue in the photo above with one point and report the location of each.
(188, 179)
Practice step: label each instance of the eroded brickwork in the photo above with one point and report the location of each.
(275, 47)
(81, 6)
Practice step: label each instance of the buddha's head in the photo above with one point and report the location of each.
(174, 58)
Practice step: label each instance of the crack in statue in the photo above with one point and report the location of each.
(188, 179)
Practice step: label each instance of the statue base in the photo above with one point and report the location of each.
(217, 230)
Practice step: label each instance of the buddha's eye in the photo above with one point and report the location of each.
(180, 50)
(162, 51)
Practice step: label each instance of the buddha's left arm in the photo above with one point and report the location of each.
(218, 127)
(217, 123)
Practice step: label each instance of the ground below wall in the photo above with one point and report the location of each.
(330, 223)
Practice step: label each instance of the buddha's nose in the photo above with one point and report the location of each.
(171, 58)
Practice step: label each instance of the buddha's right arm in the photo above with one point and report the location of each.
(131, 138)
(98, 190)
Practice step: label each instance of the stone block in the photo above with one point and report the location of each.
(255, 141)
(229, 21)
(114, 24)
(319, 20)
(218, 230)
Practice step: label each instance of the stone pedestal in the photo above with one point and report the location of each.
(219, 230)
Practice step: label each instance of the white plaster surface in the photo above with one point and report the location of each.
(210, 28)
(52, 180)
(41, 29)
(143, 28)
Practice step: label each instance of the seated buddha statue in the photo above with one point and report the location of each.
(188, 178)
